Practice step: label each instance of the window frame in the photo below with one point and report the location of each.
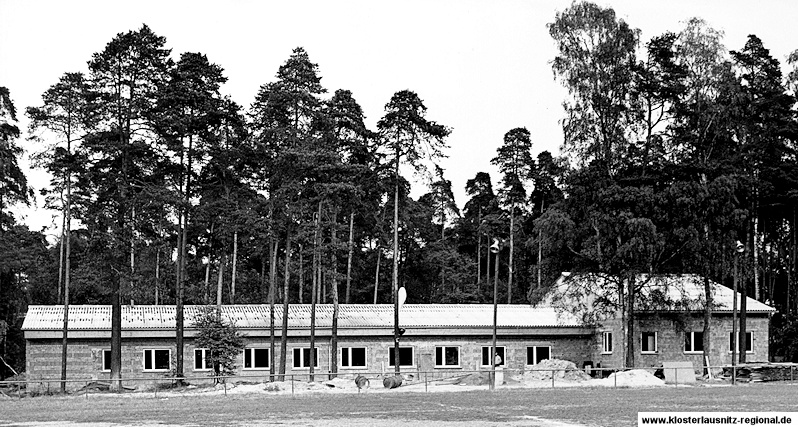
(252, 358)
(349, 351)
(412, 356)
(643, 340)
(154, 369)
(500, 350)
(747, 333)
(443, 349)
(205, 353)
(102, 362)
(606, 349)
(693, 340)
(535, 353)
(303, 364)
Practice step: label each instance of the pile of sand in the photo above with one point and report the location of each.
(561, 370)
(632, 378)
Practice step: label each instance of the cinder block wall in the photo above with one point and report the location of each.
(670, 340)
(85, 356)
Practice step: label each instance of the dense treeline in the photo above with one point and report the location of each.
(171, 193)
(681, 149)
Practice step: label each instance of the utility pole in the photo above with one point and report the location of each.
(494, 248)
(740, 248)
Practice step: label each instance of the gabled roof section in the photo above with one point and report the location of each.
(673, 292)
(351, 316)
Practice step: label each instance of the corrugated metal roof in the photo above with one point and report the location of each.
(674, 292)
(351, 316)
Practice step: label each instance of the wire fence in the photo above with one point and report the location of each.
(296, 382)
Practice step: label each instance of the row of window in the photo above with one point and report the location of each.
(449, 356)
(693, 342)
(351, 357)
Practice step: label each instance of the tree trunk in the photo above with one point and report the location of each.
(443, 238)
(264, 292)
(334, 285)
(707, 261)
(322, 283)
(286, 282)
(208, 264)
(395, 276)
(233, 272)
(132, 253)
(272, 284)
(540, 249)
(793, 262)
(479, 248)
(64, 341)
(220, 281)
(66, 255)
(116, 334)
(123, 126)
(755, 252)
(377, 273)
(510, 265)
(349, 256)
(116, 295)
(158, 277)
(61, 248)
(624, 321)
(181, 281)
(707, 332)
(630, 330)
(301, 275)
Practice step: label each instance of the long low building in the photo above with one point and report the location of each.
(438, 338)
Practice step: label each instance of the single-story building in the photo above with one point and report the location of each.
(438, 338)
(669, 319)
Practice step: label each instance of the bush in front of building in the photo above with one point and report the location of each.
(220, 339)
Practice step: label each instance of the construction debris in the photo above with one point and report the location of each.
(633, 378)
(361, 382)
(100, 386)
(477, 378)
(764, 371)
(561, 370)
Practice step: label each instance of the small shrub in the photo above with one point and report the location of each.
(222, 340)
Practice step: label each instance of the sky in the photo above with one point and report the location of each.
(481, 67)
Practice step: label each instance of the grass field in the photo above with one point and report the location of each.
(580, 406)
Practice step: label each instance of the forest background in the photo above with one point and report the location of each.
(169, 192)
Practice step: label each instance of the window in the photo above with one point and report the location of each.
(157, 359)
(693, 342)
(106, 360)
(537, 354)
(256, 358)
(648, 342)
(486, 355)
(353, 357)
(405, 356)
(302, 357)
(201, 359)
(749, 342)
(606, 340)
(447, 356)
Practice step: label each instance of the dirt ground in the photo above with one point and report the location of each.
(513, 406)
